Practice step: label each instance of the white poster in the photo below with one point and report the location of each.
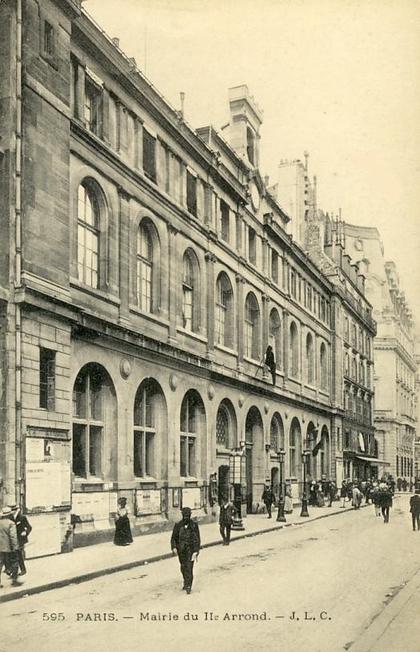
(148, 501)
(191, 497)
(45, 538)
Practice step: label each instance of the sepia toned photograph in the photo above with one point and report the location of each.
(209, 325)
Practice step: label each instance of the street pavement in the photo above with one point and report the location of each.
(349, 582)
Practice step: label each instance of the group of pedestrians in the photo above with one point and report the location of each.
(14, 532)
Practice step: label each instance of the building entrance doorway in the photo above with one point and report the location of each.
(223, 483)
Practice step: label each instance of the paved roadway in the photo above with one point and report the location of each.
(317, 587)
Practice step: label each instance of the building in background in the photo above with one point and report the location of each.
(322, 238)
(395, 356)
(144, 269)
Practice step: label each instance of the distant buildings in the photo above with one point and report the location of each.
(396, 393)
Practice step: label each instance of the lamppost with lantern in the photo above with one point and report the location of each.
(236, 469)
(280, 514)
(304, 510)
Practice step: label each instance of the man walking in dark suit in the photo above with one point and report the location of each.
(415, 509)
(227, 512)
(185, 542)
(268, 498)
(23, 529)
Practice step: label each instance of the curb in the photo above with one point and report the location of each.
(377, 629)
(85, 577)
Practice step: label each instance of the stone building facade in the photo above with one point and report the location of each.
(354, 328)
(395, 356)
(144, 269)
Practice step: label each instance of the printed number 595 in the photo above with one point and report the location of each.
(53, 617)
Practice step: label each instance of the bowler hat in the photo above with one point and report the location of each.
(186, 511)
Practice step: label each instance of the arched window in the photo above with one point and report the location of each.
(294, 448)
(323, 366)
(274, 336)
(225, 425)
(276, 433)
(146, 409)
(293, 351)
(190, 292)
(94, 408)
(187, 293)
(144, 268)
(252, 328)
(310, 358)
(192, 413)
(88, 229)
(224, 311)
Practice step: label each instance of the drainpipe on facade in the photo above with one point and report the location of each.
(18, 258)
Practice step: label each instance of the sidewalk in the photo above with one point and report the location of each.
(46, 573)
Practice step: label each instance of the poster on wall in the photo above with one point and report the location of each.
(191, 497)
(47, 474)
(148, 501)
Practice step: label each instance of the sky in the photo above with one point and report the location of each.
(338, 78)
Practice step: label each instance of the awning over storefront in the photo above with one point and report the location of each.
(372, 460)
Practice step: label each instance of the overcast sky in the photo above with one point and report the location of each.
(338, 78)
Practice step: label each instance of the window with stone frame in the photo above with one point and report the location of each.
(149, 155)
(92, 107)
(188, 293)
(310, 359)
(224, 221)
(144, 268)
(47, 378)
(190, 414)
(88, 423)
(88, 232)
(144, 431)
(251, 328)
(293, 351)
(222, 427)
(323, 366)
(191, 193)
(274, 266)
(224, 312)
(252, 246)
(274, 336)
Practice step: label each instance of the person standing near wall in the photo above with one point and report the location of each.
(227, 512)
(8, 546)
(23, 530)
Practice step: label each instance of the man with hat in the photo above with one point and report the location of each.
(8, 545)
(185, 542)
(23, 529)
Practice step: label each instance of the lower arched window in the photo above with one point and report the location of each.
(146, 407)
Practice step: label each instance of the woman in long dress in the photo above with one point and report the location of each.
(288, 501)
(122, 535)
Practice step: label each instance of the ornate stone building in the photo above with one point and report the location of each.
(395, 360)
(145, 267)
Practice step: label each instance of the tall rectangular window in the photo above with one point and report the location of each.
(191, 193)
(252, 246)
(48, 39)
(92, 109)
(274, 266)
(224, 221)
(149, 155)
(46, 378)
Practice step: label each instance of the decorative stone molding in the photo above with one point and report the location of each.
(241, 400)
(211, 392)
(173, 382)
(125, 369)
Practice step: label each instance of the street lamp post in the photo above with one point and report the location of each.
(280, 514)
(237, 487)
(304, 510)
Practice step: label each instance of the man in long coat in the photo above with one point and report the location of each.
(185, 542)
(415, 509)
(227, 512)
(268, 498)
(8, 546)
(23, 529)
